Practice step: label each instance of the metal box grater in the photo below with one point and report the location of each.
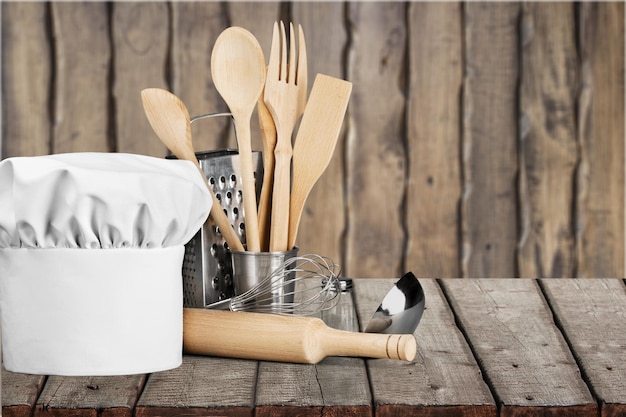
(207, 268)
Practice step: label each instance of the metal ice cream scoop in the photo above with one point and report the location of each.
(401, 309)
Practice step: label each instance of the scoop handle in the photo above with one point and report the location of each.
(283, 338)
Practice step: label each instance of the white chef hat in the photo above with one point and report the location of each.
(91, 250)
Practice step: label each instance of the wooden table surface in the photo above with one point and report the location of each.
(486, 347)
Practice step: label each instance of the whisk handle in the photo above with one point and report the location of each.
(278, 338)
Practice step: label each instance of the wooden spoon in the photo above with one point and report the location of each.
(238, 70)
(315, 141)
(169, 118)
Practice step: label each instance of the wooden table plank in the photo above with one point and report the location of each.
(524, 356)
(592, 314)
(548, 148)
(443, 380)
(101, 396)
(376, 157)
(489, 137)
(26, 77)
(201, 386)
(600, 116)
(435, 37)
(336, 386)
(195, 27)
(19, 393)
(82, 74)
(140, 38)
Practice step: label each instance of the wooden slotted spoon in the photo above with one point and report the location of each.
(238, 70)
(170, 120)
(315, 141)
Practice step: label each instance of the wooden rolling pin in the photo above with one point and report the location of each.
(282, 338)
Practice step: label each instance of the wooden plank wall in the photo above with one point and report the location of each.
(482, 140)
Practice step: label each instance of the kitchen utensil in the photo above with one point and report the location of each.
(315, 141)
(401, 309)
(238, 70)
(250, 268)
(285, 96)
(282, 338)
(268, 135)
(292, 288)
(170, 120)
(207, 267)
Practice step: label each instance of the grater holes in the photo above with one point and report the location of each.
(211, 282)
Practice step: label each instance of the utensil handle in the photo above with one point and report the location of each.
(247, 178)
(268, 133)
(279, 230)
(370, 345)
(283, 338)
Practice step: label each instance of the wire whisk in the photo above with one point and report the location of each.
(303, 285)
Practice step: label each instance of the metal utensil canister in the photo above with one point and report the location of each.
(207, 266)
(250, 268)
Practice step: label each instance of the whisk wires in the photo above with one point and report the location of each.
(302, 285)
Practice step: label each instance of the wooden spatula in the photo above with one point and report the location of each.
(315, 141)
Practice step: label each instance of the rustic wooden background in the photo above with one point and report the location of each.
(483, 139)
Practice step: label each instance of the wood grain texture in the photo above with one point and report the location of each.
(525, 358)
(592, 314)
(26, 76)
(323, 221)
(337, 386)
(548, 149)
(107, 396)
(195, 27)
(434, 138)
(201, 386)
(600, 193)
(443, 380)
(521, 208)
(140, 41)
(489, 154)
(19, 393)
(375, 149)
(82, 93)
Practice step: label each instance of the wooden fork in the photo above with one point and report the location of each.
(285, 97)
